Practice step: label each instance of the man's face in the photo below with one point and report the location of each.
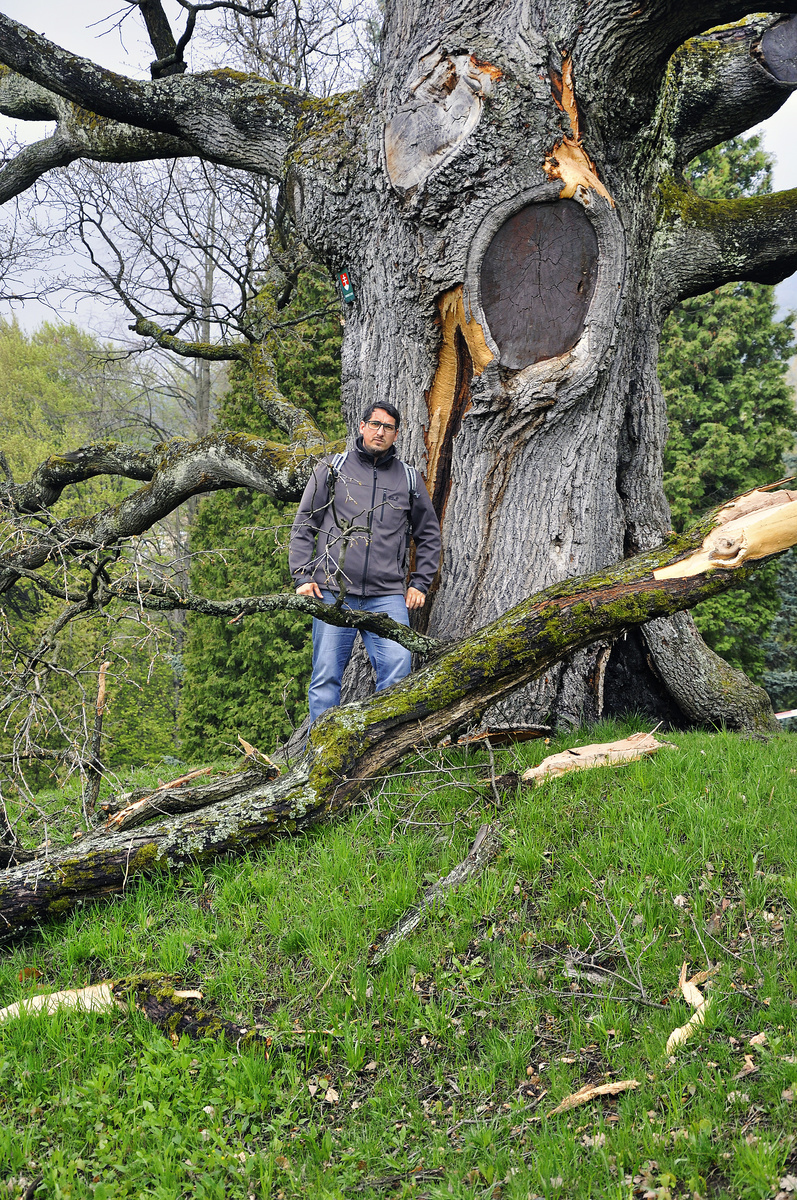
(377, 441)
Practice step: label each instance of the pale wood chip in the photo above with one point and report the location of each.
(589, 1091)
(699, 1003)
(97, 998)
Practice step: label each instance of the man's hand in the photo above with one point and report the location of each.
(415, 599)
(310, 589)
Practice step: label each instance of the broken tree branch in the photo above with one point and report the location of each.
(348, 747)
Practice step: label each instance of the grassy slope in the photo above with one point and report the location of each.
(426, 1076)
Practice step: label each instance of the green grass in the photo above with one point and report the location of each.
(433, 1074)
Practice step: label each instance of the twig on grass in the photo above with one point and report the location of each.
(699, 938)
(390, 1181)
(592, 996)
(485, 847)
(618, 935)
(750, 936)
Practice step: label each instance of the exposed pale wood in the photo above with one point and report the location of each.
(97, 998)
(767, 529)
(601, 754)
(443, 109)
(445, 414)
(569, 160)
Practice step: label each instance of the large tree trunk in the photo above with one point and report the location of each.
(351, 746)
(507, 196)
(524, 364)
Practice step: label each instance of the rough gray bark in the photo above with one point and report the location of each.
(349, 747)
(540, 471)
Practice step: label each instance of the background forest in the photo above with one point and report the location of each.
(186, 687)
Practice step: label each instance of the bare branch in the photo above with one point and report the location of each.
(720, 84)
(181, 469)
(158, 598)
(701, 244)
(168, 62)
(295, 421)
(625, 46)
(49, 479)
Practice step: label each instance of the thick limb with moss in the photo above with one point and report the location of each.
(720, 83)
(174, 470)
(702, 244)
(240, 120)
(78, 134)
(351, 746)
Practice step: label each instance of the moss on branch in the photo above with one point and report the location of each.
(351, 745)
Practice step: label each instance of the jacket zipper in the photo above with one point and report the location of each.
(370, 525)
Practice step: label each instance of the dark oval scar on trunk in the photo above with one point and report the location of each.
(537, 279)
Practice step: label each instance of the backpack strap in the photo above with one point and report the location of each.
(336, 464)
(412, 481)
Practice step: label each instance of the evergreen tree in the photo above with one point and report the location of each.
(251, 677)
(723, 365)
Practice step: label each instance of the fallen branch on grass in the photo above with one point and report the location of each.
(173, 797)
(485, 847)
(349, 747)
(177, 1012)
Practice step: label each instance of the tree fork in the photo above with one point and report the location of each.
(351, 746)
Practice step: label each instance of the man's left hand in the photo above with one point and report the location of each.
(415, 599)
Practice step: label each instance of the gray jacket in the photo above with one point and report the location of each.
(359, 534)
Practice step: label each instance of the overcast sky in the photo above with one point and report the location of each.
(84, 27)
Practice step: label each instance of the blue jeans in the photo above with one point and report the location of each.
(332, 647)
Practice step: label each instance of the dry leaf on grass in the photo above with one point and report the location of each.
(589, 1091)
(749, 1067)
(759, 1039)
(699, 1002)
(602, 754)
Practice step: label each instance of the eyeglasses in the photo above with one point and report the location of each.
(381, 425)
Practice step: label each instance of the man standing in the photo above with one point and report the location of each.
(351, 534)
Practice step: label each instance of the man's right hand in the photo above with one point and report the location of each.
(310, 589)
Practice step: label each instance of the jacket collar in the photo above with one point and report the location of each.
(373, 460)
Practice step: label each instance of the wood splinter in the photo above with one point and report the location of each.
(601, 754)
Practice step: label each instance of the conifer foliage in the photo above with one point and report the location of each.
(723, 364)
(251, 677)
